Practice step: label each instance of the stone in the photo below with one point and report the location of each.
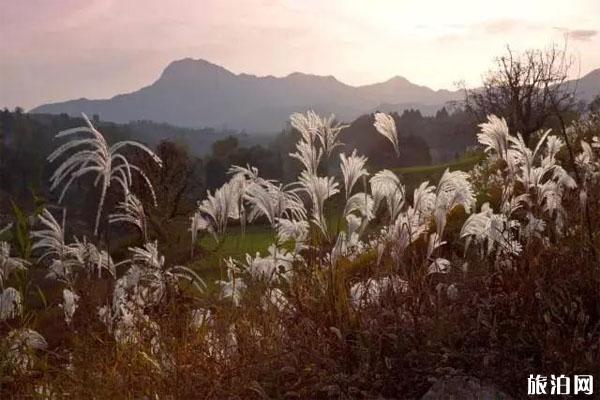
(464, 388)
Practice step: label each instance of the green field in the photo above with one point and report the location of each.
(411, 177)
(258, 238)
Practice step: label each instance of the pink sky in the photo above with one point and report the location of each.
(53, 50)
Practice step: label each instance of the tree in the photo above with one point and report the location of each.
(177, 182)
(224, 147)
(442, 114)
(594, 106)
(216, 173)
(527, 89)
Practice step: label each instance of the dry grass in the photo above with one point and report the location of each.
(498, 320)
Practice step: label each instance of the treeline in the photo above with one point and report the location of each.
(26, 140)
(205, 155)
(423, 139)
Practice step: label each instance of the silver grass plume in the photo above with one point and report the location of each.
(453, 190)
(318, 189)
(386, 126)
(86, 255)
(494, 135)
(51, 239)
(385, 185)
(309, 155)
(9, 264)
(288, 229)
(314, 128)
(353, 168)
(69, 305)
(424, 199)
(130, 211)
(149, 257)
(362, 203)
(328, 133)
(221, 206)
(94, 155)
(277, 263)
(307, 124)
(197, 224)
(11, 304)
(274, 202)
(234, 286)
(371, 290)
(244, 178)
(21, 344)
(408, 227)
(492, 229)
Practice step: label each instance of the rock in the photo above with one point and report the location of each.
(332, 391)
(464, 388)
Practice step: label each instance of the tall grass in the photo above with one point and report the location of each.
(359, 286)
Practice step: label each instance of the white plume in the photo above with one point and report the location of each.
(385, 125)
(353, 168)
(94, 155)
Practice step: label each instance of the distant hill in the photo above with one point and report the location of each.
(588, 86)
(197, 93)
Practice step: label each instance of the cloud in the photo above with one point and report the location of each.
(582, 34)
(499, 26)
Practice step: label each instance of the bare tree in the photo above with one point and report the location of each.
(175, 185)
(527, 89)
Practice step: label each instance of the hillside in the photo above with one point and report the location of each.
(197, 93)
(589, 86)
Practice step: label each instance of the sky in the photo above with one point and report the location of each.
(54, 50)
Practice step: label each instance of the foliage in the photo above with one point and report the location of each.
(363, 288)
(528, 89)
(95, 156)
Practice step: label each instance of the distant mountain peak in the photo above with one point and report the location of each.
(197, 93)
(588, 86)
(188, 62)
(190, 68)
(399, 80)
(595, 73)
(303, 76)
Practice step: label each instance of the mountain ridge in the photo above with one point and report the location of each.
(197, 93)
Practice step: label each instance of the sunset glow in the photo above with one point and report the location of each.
(57, 50)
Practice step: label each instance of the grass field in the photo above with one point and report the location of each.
(413, 176)
(258, 238)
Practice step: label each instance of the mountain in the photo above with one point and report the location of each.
(197, 93)
(588, 86)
